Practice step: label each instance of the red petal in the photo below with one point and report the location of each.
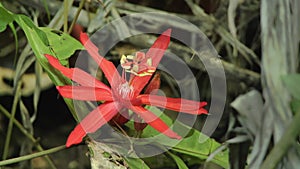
(76, 74)
(156, 52)
(85, 93)
(92, 122)
(154, 121)
(106, 66)
(176, 104)
(76, 136)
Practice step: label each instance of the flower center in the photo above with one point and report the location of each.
(125, 91)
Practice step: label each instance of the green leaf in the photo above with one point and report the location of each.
(5, 18)
(39, 48)
(40, 44)
(194, 147)
(292, 82)
(62, 44)
(41, 35)
(136, 163)
(195, 144)
(180, 163)
(149, 131)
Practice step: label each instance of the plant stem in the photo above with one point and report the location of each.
(31, 156)
(28, 135)
(283, 145)
(76, 15)
(65, 14)
(10, 124)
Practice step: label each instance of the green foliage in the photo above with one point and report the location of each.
(136, 163)
(45, 41)
(191, 145)
(179, 162)
(62, 44)
(5, 18)
(26, 23)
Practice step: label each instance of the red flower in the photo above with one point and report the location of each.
(121, 95)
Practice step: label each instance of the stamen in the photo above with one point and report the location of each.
(149, 62)
(125, 91)
(137, 65)
(131, 57)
